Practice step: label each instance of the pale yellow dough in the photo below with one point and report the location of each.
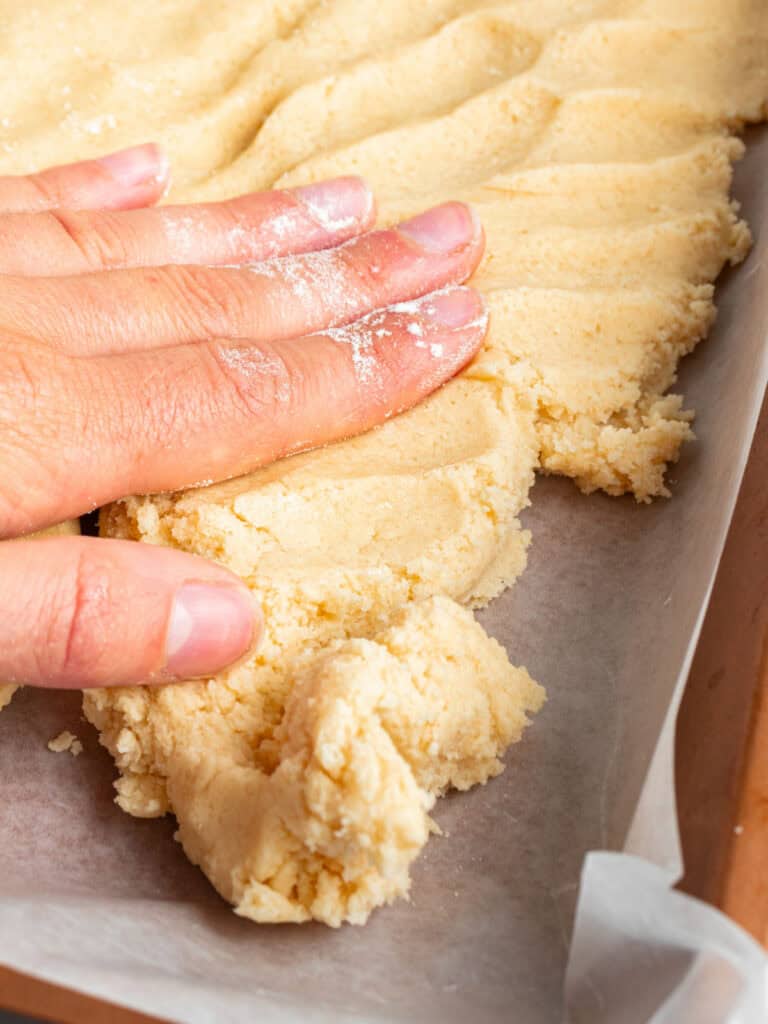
(594, 138)
(373, 731)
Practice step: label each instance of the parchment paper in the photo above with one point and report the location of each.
(606, 617)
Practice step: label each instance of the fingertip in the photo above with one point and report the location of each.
(438, 335)
(464, 312)
(446, 229)
(458, 307)
(211, 626)
(140, 173)
(454, 308)
(163, 177)
(371, 208)
(338, 205)
(136, 165)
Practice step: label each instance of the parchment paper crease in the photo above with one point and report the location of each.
(606, 617)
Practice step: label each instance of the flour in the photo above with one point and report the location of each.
(362, 335)
(314, 280)
(181, 231)
(252, 364)
(96, 125)
(361, 338)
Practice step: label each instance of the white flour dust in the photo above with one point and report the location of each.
(328, 220)
(314, 280)
(363, 334)
(361, 338)
(181, 232)
(252, 365)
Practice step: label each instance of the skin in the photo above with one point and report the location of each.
(147, 349)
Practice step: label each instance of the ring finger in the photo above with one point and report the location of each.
(120, 181)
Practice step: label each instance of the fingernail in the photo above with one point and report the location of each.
(456, 308)
(211, 625)
(338, 203)
(445, 228)
(138, 165)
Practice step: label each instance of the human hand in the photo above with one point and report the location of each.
(146, 349)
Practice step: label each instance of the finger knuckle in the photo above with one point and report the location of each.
(138, 428)
(258, 379)
(98, 240)
(213, 302)
(19, 379)
(34, 406)
(23, 391)
(44, 190)
(364, 281)
(78, 620)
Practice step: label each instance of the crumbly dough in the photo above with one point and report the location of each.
(65, 741)
(595, 139)
(325, 822)
(70, 527)
(373, 731)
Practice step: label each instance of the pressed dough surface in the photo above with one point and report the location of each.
(594, 139)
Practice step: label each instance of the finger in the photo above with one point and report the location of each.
(245, 230)
(121, 181)
(82, 612)
(285, 298)
(93, 430)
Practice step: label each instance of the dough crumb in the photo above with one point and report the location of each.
(66, 741)
(7, 691)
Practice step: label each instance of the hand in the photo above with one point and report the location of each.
(147, 349)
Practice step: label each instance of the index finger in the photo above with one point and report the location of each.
(119, 181)
(244, 230)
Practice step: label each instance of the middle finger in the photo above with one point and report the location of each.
(128, 310)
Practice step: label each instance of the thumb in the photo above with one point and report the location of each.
(80, 612)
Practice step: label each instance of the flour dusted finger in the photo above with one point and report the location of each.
(158, 421)
(119, 181)
(126, 310)
(251, 228)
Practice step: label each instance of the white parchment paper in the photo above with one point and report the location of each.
(606, 617)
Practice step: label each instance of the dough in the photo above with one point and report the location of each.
(321, 569)
(70, 527)
(325, 823)
(595, 139)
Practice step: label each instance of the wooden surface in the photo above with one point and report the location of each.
(722, 754)
(38, 999)
(722, 729)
